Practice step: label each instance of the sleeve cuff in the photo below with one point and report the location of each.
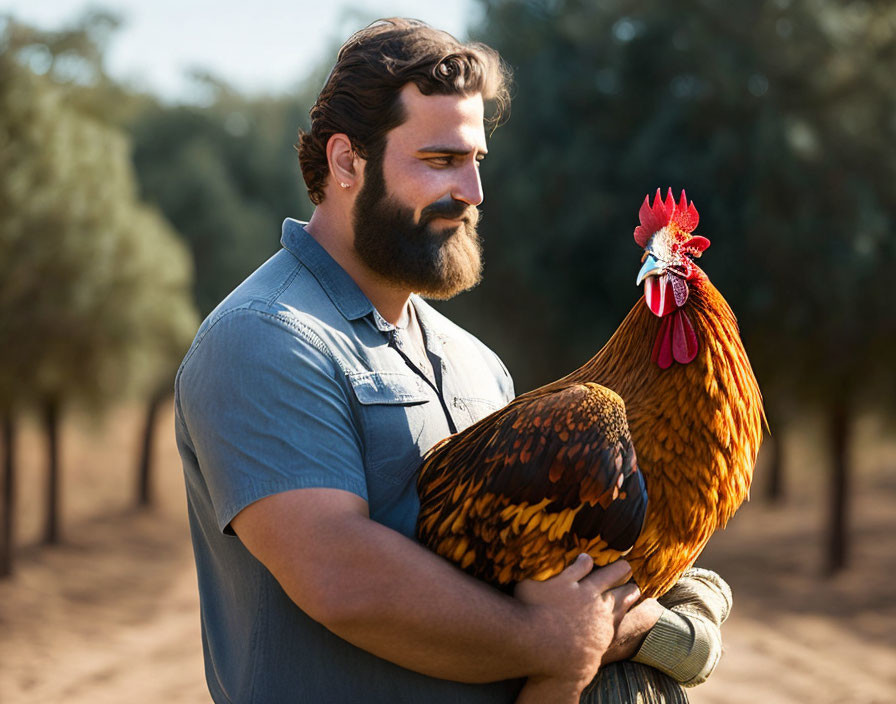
(674, 646)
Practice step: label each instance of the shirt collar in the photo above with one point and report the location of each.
(339, 286)
(429, 326)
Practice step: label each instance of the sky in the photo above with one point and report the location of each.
(259, 46)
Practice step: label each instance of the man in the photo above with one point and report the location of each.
(311, 393)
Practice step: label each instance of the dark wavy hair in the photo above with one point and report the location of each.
(360, 97)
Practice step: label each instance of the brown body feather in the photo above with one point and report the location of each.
(525, 490)
(506, 502)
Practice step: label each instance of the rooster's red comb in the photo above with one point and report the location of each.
(681, 217)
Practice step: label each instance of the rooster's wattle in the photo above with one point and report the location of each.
(554, 473)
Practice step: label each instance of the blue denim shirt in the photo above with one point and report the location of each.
(295, 381)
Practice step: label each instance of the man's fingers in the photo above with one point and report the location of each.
(627, 595)
(612, 575)
(624, 598)
(579, 568)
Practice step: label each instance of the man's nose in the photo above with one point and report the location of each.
(469, 186)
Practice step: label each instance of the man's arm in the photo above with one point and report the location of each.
(634, 628)
(679, 634)
(392, 597)
(686, 642)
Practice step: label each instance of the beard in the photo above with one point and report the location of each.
(436, 263)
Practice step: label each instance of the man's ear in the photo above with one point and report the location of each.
(345, 165)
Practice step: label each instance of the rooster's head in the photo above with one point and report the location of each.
(669, 251)
(667, 266)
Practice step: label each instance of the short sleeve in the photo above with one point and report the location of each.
(266, 410)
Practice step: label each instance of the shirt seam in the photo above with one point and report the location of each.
(303, 331)
(256, 634)
(480, 399)
(288, 281)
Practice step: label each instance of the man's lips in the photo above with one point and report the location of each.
(447, 209)
(449, 219)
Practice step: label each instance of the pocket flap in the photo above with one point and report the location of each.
(388, 388)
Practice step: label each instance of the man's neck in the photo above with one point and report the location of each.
(335, 235)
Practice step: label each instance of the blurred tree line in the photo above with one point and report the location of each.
(94, 283)
(775, 115)
(122, 220)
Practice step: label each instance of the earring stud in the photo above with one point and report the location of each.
(344, 185)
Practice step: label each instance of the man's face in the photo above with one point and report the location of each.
(415, 216)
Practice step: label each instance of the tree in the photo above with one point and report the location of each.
(79, 263)
(72, 61)
(168, 321)
(48, 199)
(72, 58)
(225, 176)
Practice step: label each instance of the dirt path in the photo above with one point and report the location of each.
(112, 616)
(794, 637)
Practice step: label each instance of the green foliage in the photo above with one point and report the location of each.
(777, 119)
(91, 282)
(95, 282)
(72, 58)
(225, 175)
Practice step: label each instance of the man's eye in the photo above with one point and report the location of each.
(441, 160)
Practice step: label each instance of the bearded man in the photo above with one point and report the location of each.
(311, 393)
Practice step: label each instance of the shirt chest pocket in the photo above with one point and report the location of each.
(395, 410)
(476, 408)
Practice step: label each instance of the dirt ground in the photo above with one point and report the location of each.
(112, 614)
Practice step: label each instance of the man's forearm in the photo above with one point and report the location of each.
(389, 595)
(392, 597)
(633, 629)
(686, 643)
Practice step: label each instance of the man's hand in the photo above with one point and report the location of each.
(581, 613)
(632, 630)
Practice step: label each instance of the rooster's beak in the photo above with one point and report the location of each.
(651, 267)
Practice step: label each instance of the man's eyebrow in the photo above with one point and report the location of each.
(439, 149)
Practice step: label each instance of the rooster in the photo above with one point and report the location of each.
(669, 408)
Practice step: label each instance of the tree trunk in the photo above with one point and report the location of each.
(840, 437)
(774, 488)
(144, 468)
(629, 682)
(51, 429)
(7, 529)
